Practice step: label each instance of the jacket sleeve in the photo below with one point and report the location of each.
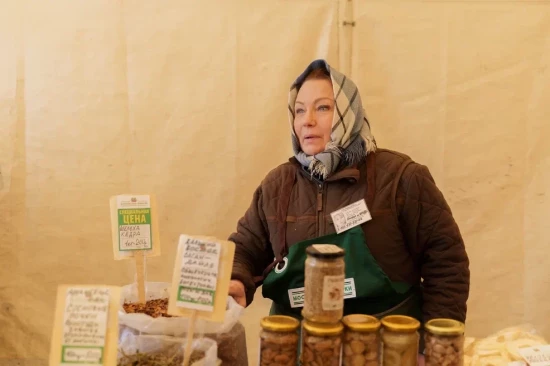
(434, 237)
(253, 252)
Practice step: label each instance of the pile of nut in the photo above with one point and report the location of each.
(361, 349)
(321, 351)
(442, 350)
(279, 350)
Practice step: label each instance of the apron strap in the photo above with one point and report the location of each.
(395, 184)
(282, 210)
(371, 179)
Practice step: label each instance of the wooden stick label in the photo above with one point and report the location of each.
(200, 278)
(85, 328)
(134, 223)
(199, 274)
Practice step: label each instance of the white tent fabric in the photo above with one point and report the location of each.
(187, 100)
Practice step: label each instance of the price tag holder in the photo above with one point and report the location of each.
(85, 331)
(200, 281)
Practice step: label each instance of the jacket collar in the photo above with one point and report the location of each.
(350, 173)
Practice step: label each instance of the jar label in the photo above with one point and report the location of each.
(296, 295)
(333, 292)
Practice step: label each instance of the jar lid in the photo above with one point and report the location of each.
(361, 323)
(279, 323)
(442, 326)
(325, 251)
(400, 323)
(323, 329)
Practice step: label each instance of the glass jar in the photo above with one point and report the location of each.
(279, 340)
(400, 340)
(321, 343)
(324, 283)
(444, 342)
(361, 340)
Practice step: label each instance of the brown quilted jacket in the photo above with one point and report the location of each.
(413, 236)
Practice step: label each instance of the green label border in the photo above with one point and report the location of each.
(150, 228)
(196, 289)
(63, 348)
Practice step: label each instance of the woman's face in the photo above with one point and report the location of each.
(314, 109)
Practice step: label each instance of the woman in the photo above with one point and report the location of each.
(405, 256)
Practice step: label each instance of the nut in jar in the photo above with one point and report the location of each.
(361, 340)
(321, 344)
(324, 283)
(279, 340)
(400, 340)
(444, 339)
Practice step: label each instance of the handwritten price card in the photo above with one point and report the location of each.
(86, 326)
(200, 281)
(536, 356)
(134, 226)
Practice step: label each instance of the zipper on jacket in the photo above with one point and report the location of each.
(320, 219)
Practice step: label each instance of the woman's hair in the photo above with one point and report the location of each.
(319, 73)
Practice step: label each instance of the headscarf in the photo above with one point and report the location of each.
(351, 139)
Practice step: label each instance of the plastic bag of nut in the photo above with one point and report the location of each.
(502, 348)
(152, 319)
(145, 350)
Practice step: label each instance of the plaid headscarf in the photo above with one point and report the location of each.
(351, 139)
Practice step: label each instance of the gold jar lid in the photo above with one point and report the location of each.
(323, 329)
(400, 323)
(325, 251)
(279, 323)
(361, 323)
(442, 326)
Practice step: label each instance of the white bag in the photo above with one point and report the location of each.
(130, 344)
(175, 326)
(229, 335)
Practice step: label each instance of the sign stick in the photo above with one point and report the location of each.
(190, 333)
(140, 275)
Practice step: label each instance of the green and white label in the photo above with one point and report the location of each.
(199, 273)
(84, 326)
(296, 295)
(134, 223)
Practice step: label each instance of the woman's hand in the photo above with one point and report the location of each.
(237, 292)
(421, 361)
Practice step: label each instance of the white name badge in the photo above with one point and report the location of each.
(350, 216)
(296, 295)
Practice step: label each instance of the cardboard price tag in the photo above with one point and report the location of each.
(134, 226)
(536, 356)
(85, 331)
(200, 281)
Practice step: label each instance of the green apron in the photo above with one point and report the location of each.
(367, 290)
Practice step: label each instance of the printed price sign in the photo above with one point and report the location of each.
(86, 327)
(134, 225)
(200, 282)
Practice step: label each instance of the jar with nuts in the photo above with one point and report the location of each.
(324, 283)
(444, 342)
(279, 340)
(361, 340)
(400, 339)
(321, 344)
